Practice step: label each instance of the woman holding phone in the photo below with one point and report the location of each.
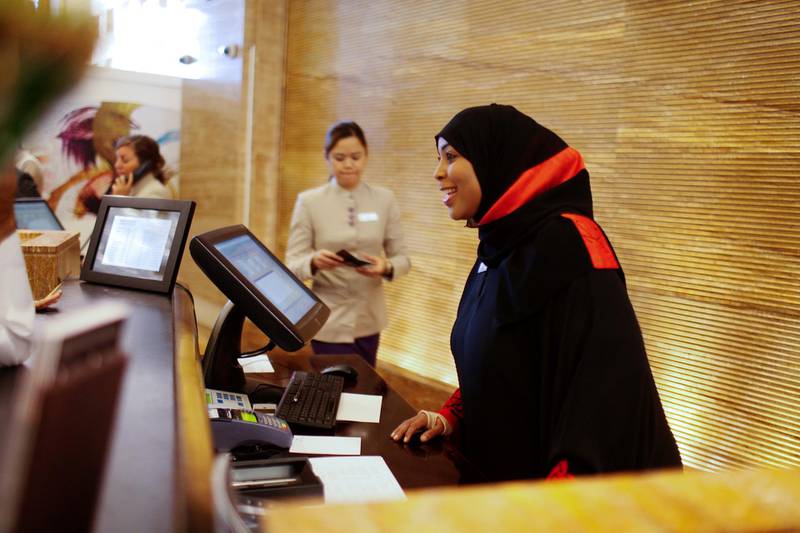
(139, 168)
(345, 235)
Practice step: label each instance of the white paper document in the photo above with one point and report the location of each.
(356, 479)
(258, 364)
(326, 445)
(137, 242)
(359, 407)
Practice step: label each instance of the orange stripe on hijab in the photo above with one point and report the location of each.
(534, 181)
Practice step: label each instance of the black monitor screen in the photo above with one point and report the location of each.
(136, 242)
(34, 213)
(259, 286)
(267, 276)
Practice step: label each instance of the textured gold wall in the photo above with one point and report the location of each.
(212, 148)
(231, 130)
(687, 116)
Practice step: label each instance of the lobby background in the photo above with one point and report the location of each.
(686, 114)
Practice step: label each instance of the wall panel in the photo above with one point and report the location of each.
(212, 154)
(217, 152)
(687, 116)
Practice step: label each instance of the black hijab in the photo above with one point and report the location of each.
(504, 147)
(501, 143)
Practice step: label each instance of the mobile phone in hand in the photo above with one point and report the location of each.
(141, 170)
(351, 260)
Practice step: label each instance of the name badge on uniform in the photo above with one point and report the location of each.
(481, 268)
(368, 217)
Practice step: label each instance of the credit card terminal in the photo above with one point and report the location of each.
(231, 428)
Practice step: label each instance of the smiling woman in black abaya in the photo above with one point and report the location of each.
(553, 376)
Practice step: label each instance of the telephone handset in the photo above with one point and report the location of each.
(137, 174)
(141, 170)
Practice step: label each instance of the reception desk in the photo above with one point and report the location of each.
(425, 466)
(140, 479)
(159, 472)
(657, 502)
(159, 469)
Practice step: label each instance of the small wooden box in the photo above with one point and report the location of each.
(50, 258)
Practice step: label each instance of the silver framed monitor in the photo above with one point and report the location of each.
(35, 214)
(138, 242)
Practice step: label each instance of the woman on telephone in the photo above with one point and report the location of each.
(139, 168)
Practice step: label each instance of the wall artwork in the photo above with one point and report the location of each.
(74, 142)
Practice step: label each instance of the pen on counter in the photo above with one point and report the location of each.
(55, 290)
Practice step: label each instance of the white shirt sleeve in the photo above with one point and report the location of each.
(16, 304)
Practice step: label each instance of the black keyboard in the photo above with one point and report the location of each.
(311, 399)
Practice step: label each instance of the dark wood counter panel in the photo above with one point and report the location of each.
(158, 475)
(139, 486)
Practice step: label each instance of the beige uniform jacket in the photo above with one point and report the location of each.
(365, 219)
(150, 187)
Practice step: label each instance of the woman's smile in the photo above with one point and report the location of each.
(449, 193)
(464, 196)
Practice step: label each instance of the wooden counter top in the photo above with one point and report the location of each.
(663, 501)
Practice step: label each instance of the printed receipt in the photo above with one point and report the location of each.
(356, 479)
(260, 364)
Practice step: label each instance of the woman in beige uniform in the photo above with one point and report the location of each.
(348, 214)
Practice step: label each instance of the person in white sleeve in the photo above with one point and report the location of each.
(17, 306)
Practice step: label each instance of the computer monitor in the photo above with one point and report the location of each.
(35, 214)
(138, 242)
(259, 287)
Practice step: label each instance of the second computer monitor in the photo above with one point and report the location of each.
(258, 284)
(35, 214)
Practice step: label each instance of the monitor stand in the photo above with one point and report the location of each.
(221, 368)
